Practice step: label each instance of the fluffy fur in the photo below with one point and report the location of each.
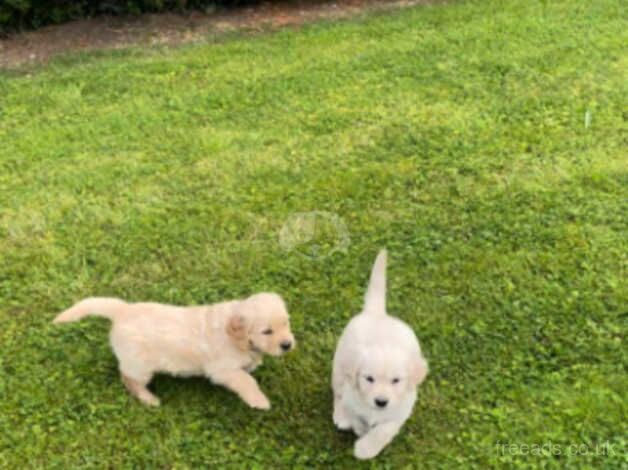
(224, 341)
(377, 368)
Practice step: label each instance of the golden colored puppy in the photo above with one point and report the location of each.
(224, 341)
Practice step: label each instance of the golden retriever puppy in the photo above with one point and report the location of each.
(224, 341)
(377, 367)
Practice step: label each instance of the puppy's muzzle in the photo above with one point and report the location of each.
(286, 346)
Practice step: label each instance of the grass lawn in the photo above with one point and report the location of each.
(481, 142)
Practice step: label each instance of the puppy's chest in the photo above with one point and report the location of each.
(362, 418)
(251, 362)
(361, 423)
(368, 419)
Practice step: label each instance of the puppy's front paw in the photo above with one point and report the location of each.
(365, 449)
(259, 402)
(151, 401)
(341, 420)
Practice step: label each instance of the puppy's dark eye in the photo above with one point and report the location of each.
(395, 380)
(267, 331)
(370, 379)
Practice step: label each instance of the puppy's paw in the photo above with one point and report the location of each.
(259, 402)
(151, 401)
(365, 449)
(341, 420)
(342, 424)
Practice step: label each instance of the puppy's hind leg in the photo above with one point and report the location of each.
(135, 370)
(138, 389)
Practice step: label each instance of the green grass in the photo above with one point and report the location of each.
(452, 134)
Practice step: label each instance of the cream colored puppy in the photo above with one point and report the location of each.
(223, 342)
(377, 367)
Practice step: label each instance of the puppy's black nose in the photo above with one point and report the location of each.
(286, 345)
(381, 402)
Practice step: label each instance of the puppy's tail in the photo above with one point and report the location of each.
(375, 298)
(100, 306)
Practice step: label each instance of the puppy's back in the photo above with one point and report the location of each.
(381, 330)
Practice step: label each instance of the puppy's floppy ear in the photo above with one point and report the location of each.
(237, 331)
(417, 370)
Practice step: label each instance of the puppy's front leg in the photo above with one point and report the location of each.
(342, 420)
(245, 386)
(378, 437)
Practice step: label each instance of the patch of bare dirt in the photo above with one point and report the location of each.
(169, 28)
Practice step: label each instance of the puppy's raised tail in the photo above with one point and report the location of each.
(375, 298)
(100, 306)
